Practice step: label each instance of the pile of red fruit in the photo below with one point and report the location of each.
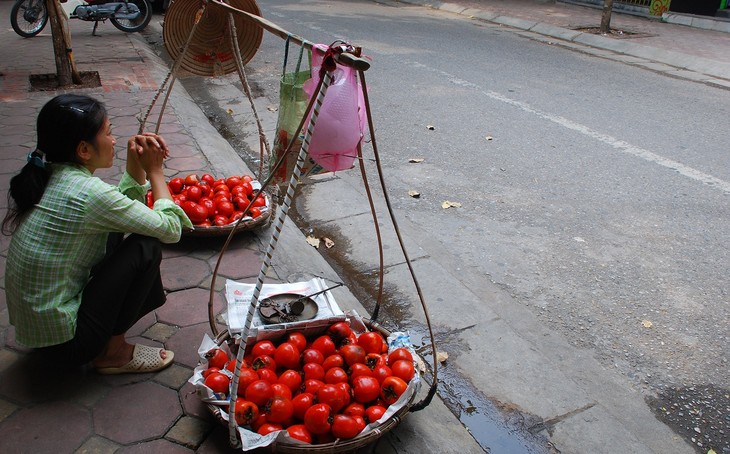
(318, 390)
(210, 202)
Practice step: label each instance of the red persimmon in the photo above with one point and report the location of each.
(264, 362)
(311, 355)
(336, 375)
(359, 369)
(381, 372)
(279, 409)
(246, 376)
(282, 390)
(292, 379)
(392, 388)
(298, 339)
(365, 389)
(331, 361)
(263, 347)
(208, 178)
(339, 331)
(176, 185)
(399, 353)
(352, 354)
(269, 427)
(194, 193)
(299, 432)
(345, 427)
(374, 412)
(325, 345)
(259, 392)
(301, 403)
(403, 369)
(318, 418)
(217, 382)
(354, 409)
(287, 355)
(313, 371)
(371, 341)
(191, 180)
(311, 386)
(334, 396)
(246, 412)
(216, 358)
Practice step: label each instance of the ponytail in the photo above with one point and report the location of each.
(63, 123)
(26, 189)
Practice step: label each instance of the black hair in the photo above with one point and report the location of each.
(63, 123)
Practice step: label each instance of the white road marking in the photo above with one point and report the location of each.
(618, 144)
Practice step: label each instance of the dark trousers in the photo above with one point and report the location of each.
(123, 288)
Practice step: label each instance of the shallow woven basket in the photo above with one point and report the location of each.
(337, 446)
(258, 222)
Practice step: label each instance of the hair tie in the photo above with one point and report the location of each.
(37, 160)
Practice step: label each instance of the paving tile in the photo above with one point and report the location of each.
(136, 412)
(55, 427)
(142, 325)
(97, 445)
(189, 307)
(160, 332)
(189, 164)
(239, 263)
(192, 405)
(6, 409)
(217, 442)
(183, 272)
(159, 446)
(174, 376)
(25, 380)
(189, 431)
(185, 343)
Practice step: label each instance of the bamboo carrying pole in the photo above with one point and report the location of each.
(361, 66)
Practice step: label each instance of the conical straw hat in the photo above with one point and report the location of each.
(210, 51)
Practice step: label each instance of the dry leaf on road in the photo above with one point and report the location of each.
(313, 241)
(647, 323)
(448, 204)
(414, 194)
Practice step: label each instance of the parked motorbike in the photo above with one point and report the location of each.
(29, 17)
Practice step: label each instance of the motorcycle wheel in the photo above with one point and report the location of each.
(131, 26)
(28, 17)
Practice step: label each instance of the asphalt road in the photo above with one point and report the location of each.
(594, 194)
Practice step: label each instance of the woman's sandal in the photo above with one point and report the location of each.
(144, 359)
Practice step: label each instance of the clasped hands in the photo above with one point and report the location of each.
(149, 149)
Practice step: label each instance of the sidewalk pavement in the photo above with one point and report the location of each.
(85, 412)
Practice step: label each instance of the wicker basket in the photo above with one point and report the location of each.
(247, 223)
(338, 446)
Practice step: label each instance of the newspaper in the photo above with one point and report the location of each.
(239, 297)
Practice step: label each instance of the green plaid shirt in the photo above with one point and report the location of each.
(58, 242)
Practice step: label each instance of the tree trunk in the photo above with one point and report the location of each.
(606, 17)
(65, 67)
